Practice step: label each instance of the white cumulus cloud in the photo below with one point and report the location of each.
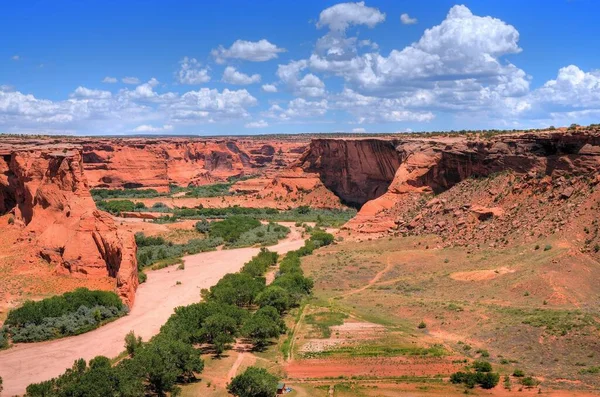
(109, 80)
(192, 72)
(407, 20)
(232, 76)
(269, 88)
(255, 51)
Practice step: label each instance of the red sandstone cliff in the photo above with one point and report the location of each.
(157, 163)
(45, 189)
(385, 175)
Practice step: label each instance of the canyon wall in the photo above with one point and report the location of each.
(380, 174)
(44, 187)
(157, 163)
(356, 170)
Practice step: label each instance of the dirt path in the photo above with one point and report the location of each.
(294, 332)
(24, 364)
(236, 365)
(375, 279)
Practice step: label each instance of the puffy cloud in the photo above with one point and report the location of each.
(150, 128)
(269, 88)
(298, 108)
(130, 80)
(255, 51)
(341, 16)
(358, 130)
(232, 76)
(571, 90)
(454, 66)
(370, 109)
(407, 20)
(109, 80)
(15, 57)
(210, 104)
(191, 72)
(257, 124)
(308, 86)
(83, 92)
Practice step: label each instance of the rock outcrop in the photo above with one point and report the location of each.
(45, 189)
(157, 163)
(358, 170)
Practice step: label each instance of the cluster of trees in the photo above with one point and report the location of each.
(153, 250)
(482, 376)
(156, 368)
(323, 217)
(69, 314)
(103, 194)
(239, 304)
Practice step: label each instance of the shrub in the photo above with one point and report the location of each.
(254, 382)
(548, 247)
(482, 366)
(422, 325)
(518, 373)
(529, 381)
(142, 277)
(11, 220)
(232, 227)
(69, 314)
(202, 226)
(116, 206)
(132, 343)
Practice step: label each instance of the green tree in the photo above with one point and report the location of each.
(262, 326)
(254, 382)
(132, 343)
(274, 296)
(219, 330)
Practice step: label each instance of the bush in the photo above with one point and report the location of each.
(202, 226)
(264, 235)
(232, 228)
(482, 376)
(100, 194)
(115, 207)
(254, 382)
(72, 313)
(529, 381)
(518, 373)
(132, 343)
(422, 325)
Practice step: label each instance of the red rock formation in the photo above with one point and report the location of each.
(157, 163)
(46, 190)
(358, 170)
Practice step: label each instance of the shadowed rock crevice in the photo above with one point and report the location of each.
(356, 170)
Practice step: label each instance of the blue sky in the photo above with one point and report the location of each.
(238, 67)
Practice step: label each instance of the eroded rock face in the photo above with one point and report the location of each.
(45, 188)
(358, 170)
(157, 163)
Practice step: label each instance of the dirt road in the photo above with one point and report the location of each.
(24, 364)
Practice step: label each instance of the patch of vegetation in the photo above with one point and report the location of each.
(482, 376)
(212, 190)
(116, 207)
(232, 227)
(590, 371)
(253, 382)
(322, 217)
(103, 194)
(556, 322)
(156, 251)
(264, 235)
(72, 313)
(324, 320)
(367, 350)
